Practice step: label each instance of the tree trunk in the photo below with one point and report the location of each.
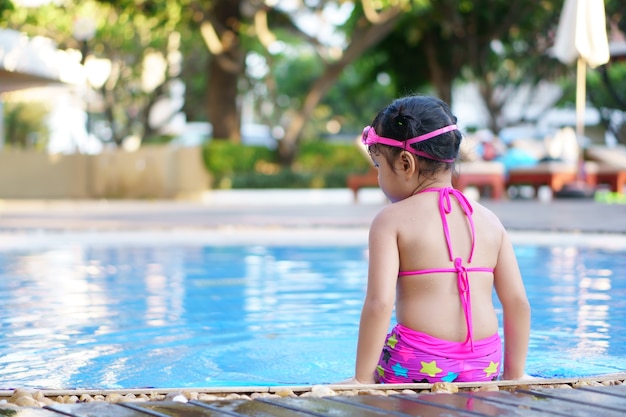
(440, 76)
(494, 109)
(224, 69)
(362, 39)
(222, 109)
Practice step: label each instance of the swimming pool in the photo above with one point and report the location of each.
(134, 315)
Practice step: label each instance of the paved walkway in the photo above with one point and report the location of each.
(286, 209)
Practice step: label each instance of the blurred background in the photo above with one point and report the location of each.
(173, 98)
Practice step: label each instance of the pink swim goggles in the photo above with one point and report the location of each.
(371, 138)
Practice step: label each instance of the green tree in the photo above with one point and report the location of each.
(367, 27)
(606, 84)
(254, 33)
(138, 43)
(25, 125)
(519, 57)
(124, 35)
(221, 22)
(495, 43)
(606, 87)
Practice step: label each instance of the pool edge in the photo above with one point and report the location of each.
(551, 382)
(268, 236)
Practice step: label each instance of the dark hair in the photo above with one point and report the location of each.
(412, 116)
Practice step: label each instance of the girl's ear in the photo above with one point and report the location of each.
(408, 163)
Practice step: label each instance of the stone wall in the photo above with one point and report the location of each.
(152, 172)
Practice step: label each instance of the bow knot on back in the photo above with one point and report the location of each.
(464, 294)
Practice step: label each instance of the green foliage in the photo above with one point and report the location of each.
(282, 179)
(287, 178)
(615, 13)
(496, 44)
(606, 86)
(351, 103)
(606, 89)
(319, 164)
(223, 158)
(157, 139)
(6, 6)
(317, 155)
(126, 32)
(357, 97)
(25, 125)
(194, 73)
(401, 56)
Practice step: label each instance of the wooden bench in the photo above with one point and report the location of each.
(555, 175)
(614, 177)
(483, 175)
(555, 180)
(357, 181)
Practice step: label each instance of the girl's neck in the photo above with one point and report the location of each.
(440, 182)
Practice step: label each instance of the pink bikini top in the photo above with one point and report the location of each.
(461, 270)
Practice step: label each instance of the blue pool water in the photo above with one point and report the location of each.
(83, 316)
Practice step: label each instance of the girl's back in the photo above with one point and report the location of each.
(422, 246)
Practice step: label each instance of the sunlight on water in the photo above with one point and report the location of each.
(578, 302)
(199, 316)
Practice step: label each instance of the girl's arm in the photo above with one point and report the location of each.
(516, 310)
(380, 297)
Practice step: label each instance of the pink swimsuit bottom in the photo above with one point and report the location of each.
(411, 356)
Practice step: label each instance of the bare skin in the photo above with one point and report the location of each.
(407, 235)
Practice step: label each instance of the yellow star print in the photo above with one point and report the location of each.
(430, 368)
(381, 371)
(391, 342)
(492, 368)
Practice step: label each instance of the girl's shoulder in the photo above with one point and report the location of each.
(483, 213)
(488, 226)
(415, 208)
(391, 213)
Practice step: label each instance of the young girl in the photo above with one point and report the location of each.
(438, 256)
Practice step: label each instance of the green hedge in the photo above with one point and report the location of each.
(318, 164)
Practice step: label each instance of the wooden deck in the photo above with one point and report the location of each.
(596, 401)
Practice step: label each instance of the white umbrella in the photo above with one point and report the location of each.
(581, 36)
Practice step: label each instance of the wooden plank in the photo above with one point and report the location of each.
(14, 411)
(93, 409)
(556, 407)
(323, 407)
(398, 405)
(251, 408)
(142, 411)
(473, 405)
(177, 409)
(617, 390)
(597, 399)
